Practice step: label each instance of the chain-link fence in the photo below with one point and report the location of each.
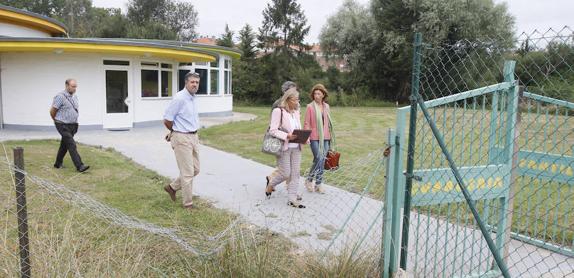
(494, 133)
(117, 221)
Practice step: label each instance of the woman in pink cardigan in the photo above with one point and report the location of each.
(318, 120)
(284, 119)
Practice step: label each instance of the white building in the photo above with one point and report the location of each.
(121, 83)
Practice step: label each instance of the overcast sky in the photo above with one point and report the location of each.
(214, 14)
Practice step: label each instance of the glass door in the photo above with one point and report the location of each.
(118, 99)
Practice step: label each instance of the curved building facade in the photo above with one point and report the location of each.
(121, 83)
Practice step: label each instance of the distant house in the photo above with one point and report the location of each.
(122, 83)
(325, 62)
(206, 40)
(315, 50)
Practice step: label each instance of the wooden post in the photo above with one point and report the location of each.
(22, 213)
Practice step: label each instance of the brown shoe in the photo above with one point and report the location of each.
(170, 191)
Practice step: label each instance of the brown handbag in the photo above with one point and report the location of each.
(332, 160)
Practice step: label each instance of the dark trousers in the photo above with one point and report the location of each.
(67, 143)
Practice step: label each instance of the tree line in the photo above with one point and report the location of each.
(145, 19)
(375, 40)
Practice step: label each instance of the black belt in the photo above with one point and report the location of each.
(188, 132)
(62, 123)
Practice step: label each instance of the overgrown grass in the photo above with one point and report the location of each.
(359, 131)
(67, 240)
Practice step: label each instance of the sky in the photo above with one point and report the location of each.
(214, 14)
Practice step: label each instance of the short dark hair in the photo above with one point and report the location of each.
(191, 74)
(68, 81)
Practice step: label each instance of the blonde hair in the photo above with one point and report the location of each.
(321, 88)
(291, 93)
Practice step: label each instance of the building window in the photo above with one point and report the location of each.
(116, 63)
(209, 74)
(214, 81)
(156, 80)
(202, 81)
(227, 77)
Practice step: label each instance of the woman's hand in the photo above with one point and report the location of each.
(291, 136)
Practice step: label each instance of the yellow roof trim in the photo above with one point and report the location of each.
(31, 22)
(147, 51)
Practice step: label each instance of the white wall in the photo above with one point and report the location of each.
(31, 80)
(12, 30)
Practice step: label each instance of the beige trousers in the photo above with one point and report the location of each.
(186, 149)
(289, 166)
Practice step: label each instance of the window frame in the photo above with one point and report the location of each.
(209, 68)
(227, 65)
(159, 68)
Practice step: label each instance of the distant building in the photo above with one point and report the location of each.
(325, 62)
(206, 40)
(122, 83)
(315, 50)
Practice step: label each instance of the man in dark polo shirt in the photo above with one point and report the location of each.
(64, 112)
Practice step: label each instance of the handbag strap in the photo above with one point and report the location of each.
(71, 103)
(280, 121)
(333, 145)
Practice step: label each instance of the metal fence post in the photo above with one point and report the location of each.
(509, 213)
(22, 212)
(386, 244)
(411, 148)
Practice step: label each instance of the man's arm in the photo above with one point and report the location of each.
(168, 124)
(53, 112)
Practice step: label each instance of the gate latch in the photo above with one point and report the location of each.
(415, 177)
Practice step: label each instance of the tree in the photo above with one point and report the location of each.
(111, 23)
(247, 43)
(47, 8)
(284, 25)
(381, 58)
(161, 19)
(182, 17)
(226, 38)
(246, 71)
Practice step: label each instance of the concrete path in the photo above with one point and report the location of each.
(237, 184)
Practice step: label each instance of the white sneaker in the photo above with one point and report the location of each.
(310, 185)
(319, 188)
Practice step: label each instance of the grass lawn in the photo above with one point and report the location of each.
(67, 240)
(359, 131)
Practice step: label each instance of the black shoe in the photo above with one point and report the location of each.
(83, 168)
(295, 204)
(58, 166)
(268, 189)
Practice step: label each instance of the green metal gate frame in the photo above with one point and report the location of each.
(399, 187)
(505, 164)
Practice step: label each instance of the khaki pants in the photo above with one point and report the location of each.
(186, 149)
(289, 166)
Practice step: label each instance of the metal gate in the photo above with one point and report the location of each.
(497, 150)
